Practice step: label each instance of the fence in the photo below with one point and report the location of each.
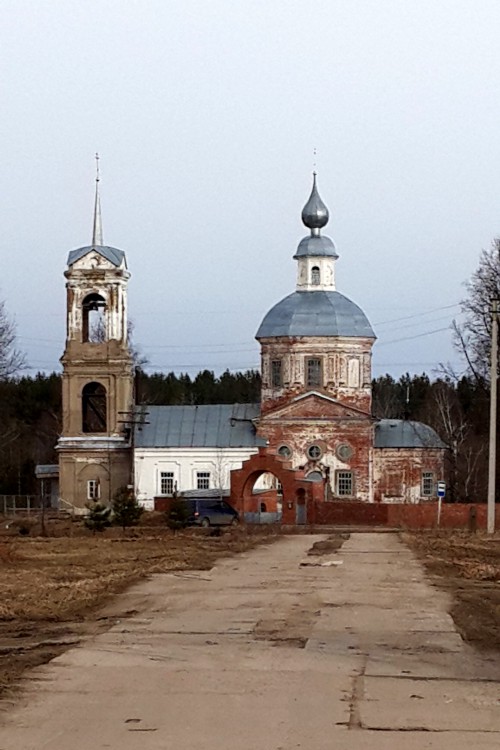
(396, 515)
(11, 504)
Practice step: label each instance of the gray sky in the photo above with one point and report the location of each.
(205, 114)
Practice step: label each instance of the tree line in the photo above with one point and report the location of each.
(31, 413)
(457, 407)
(30, 417)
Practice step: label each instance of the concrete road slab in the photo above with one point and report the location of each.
(259, 653)
(439, 705)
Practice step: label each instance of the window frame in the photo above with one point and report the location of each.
(94, 408)
(284, 451)
(344, 452)
(318, 363)
(425, 477)
(315, 276)
(166, 476)
(203, 480)
(314, 447)
(344, 475)
(276, 373)
(93, 489)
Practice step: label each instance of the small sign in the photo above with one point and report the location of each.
(441, 489)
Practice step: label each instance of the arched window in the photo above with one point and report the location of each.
(94, 319)
(94, 417)
(315, 275)
(315, 476)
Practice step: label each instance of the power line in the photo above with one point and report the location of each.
(417, 315)
(417, 336)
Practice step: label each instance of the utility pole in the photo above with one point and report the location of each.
(493, 418)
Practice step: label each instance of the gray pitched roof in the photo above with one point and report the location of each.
(112, 254)
(399, 433)
(315, 314)
(204, 426)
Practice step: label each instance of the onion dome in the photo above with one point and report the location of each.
(315, 214)
(315, 308)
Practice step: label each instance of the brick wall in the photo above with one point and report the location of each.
(396, 515)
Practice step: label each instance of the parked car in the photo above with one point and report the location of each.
(210, 512)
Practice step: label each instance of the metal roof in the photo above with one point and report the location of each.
(204, 426)
(399, 433)
(46, 471)
(112, 254)
(316, 246)
(315, 313)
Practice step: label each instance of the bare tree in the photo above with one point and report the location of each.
(11, 359)
(472, 336)
(466, 449)
(221, 473)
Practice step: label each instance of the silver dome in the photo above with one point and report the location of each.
(317, 246)
(315, 314)
(315, 214)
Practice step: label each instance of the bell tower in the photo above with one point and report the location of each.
(97, 391)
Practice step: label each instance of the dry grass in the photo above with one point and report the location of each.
(468, 566)
(51, 589)
(61, 578)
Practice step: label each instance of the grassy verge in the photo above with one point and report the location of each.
(468, 566)
(51, 588)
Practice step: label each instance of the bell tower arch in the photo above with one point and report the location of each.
(97, 391)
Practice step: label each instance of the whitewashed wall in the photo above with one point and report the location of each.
(184, 463)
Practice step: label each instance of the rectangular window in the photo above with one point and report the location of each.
(202, 480)
(276, 376)
(93, 489)
(427, 483)
(313, 372)
(166, 482)
(344, 481)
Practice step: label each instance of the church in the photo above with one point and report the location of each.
(312, 441)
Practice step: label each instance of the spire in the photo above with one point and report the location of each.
(97, 229)
(315, 214)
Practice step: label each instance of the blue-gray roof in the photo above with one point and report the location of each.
(316, 245)
(204, 426)
(112, 254)
(46, 470)
(399, 433)
(315, 314)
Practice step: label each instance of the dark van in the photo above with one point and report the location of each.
(210, 512)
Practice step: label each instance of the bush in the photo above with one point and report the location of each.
(126, 509)
(98, 518)
(177, 514)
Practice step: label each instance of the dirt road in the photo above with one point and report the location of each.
(262, 653)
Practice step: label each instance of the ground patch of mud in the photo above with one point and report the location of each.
(327, 546)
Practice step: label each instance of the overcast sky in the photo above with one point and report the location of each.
(205, 114)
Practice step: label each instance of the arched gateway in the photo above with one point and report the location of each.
(299, 493)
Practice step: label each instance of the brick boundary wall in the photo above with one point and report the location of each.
(395, 515)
